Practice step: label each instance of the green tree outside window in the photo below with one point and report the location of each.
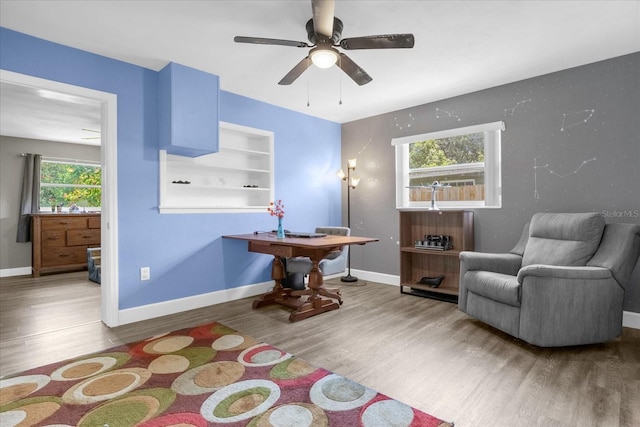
(447, 151)
(67, 183)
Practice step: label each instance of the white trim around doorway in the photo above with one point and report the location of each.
(108, 153)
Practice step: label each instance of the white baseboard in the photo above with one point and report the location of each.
(164, 308)
(20, 271)
(631, 319)
(386, 279)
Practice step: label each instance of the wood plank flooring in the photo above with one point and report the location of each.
(422, 352)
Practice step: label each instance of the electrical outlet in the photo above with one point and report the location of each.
(145, 273)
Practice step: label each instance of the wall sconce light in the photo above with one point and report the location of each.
(352, 183)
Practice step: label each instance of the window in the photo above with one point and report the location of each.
(70, 184)
(462, 165)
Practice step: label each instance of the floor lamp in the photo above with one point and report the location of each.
(352, 183)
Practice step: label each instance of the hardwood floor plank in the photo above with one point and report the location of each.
(423, 352)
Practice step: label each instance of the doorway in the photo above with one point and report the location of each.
(108, 154)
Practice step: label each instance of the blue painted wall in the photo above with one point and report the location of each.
(186, 253)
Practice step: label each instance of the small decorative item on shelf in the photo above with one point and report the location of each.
(277, 209)
(433, 282)
(439, 243)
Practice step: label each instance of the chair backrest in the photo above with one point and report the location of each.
(336, 231)
(618, 251)
(568, 239)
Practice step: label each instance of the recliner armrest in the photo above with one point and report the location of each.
(563, 272)
(497, 263)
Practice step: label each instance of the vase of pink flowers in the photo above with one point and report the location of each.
(277, 209)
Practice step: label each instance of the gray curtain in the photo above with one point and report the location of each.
(30, 195)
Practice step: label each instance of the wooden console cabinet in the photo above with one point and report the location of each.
(416, 263)
(60, 241)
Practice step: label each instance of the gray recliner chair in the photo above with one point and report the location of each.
(299, 267)
(563, 283)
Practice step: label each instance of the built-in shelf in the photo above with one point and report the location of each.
(238, 178)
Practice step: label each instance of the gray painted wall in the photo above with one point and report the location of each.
(581, 127)
(12, 254)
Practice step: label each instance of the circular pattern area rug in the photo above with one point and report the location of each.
(210, 375)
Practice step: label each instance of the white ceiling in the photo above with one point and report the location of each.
(461, 46)
(29, 112)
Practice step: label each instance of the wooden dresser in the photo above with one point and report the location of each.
(60, 241)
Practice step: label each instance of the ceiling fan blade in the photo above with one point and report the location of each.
(296, 72)
(382, 41)
(262, 40)
(352, 69)
(323, 14)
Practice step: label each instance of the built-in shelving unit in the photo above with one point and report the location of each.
(238, 178)
(419, 262)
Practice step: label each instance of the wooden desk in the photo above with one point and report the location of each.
(316, 249)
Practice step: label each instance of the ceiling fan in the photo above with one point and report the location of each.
(324, 31)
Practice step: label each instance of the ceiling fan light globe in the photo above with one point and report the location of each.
(323, 58)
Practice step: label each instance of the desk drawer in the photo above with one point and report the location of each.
(94, 222)
(271, 249)
(64, 256)
(63, 223)
(53, 239)
(83, 237)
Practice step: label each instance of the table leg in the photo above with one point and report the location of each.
(315, 304)
(278, 295)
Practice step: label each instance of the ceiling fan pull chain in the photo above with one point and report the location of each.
(340, 81)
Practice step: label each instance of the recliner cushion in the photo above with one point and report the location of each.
(499, 287)
(568, 239)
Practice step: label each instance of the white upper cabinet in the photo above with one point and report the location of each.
(188, 111)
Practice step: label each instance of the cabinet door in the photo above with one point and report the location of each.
(188, 110)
